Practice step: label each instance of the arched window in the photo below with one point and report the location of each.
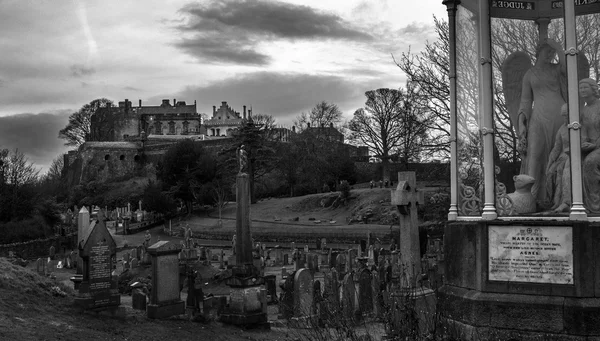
(122, 157)
(171, 127)
(106, 157)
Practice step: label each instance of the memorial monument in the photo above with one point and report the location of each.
(247, 298)
(515, 273)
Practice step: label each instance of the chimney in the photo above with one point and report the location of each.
(293, 129)
(214, 110)
(127, 104)
(174, 102)
(244, 112)
(165, 103)
(140, 103)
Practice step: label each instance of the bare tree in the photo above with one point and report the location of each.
(322, 114)
(78, 130)
(390, 121)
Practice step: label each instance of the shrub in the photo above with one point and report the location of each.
(345, 189)
(24, 230)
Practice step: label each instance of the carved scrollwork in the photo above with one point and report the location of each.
(504, 204)
(485, 61)
(470, 203)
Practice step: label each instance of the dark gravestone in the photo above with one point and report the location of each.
(365, 292)
(98, 290)
(165, 297)
(271, 285)
(348, 296)
(138, 300)
(286, 259)
(286, 300)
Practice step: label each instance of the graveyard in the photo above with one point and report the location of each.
(179, 285)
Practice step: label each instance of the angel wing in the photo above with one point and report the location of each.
(583, 66)
(513, 70)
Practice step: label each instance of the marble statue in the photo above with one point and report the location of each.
(537, 118)
(522, 198)
(558, 173)
(590, 143)
(242, 156)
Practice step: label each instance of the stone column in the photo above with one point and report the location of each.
(487, 112)
(577, 209)
(453, 212)
(243, 252)
(83, 224)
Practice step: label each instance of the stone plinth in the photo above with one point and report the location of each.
(562, 305)
(165, 297)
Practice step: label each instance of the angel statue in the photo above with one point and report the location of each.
(534, 97)
(242, 156)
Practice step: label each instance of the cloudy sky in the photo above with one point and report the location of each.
(280, 57)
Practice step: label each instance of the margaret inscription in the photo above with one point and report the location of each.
(541, 254)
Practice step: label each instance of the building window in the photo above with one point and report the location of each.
(136, 158)
(122, 157)
(186, 127)
(171, 127)
(158, 128)
(106, 157)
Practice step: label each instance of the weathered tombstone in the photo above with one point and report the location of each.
(126, 257)
(271, 286)
(377, 295)
(303, 293)
(365, 292)
(165, 298)
(133, 254)
(52, 252)
(323, 243)
(138, 300)
(41, 266)
(286, 301)
(311, 263)
(134, 263)
(340, 264)
(348, 295)
(286, 260)
(98, 288)
(406, 198)
(352, 254)
(332, 289)
(317, 297)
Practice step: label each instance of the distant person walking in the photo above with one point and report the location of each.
(372, 183)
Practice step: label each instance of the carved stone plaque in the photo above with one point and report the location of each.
(537, 254)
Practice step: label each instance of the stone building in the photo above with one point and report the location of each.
(224, 120)
(126, 122)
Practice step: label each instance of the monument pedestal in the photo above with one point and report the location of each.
(522, 279)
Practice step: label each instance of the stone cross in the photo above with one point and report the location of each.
(406, 197)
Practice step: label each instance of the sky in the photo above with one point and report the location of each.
(280, 57)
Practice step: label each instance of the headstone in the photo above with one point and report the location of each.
(365, 292)
(52, 252)
(83, 223)
(134, 263)
(138, 300)
(377, 294)
(286, 260)
(340, 264)
(286, 301)
(303, 293)
(126, 257)
(348, 296)
(41, 266)
(165, 298)
(271, 286)
(98, 289)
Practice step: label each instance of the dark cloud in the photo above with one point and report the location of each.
(131, 88)
(36, 135)
(227, 31)
(79, 70)
(282, 95)
(213, 49)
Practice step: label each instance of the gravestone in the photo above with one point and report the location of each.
(365, 292)
(332, 290)
(41, 266)
(138, 300)
(406, 198)
(126, 257)
(134, 263)
(303, 293)
(165, 297)
(377, 295)
(348, 296)
(286, 299)
(340, 264)
(98, 289)
(52, 252)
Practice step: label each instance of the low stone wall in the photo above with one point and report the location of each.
(40, 247)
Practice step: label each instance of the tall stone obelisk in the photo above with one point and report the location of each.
(248, 300)
(243, 246)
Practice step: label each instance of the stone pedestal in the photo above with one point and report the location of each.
(487, 294)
